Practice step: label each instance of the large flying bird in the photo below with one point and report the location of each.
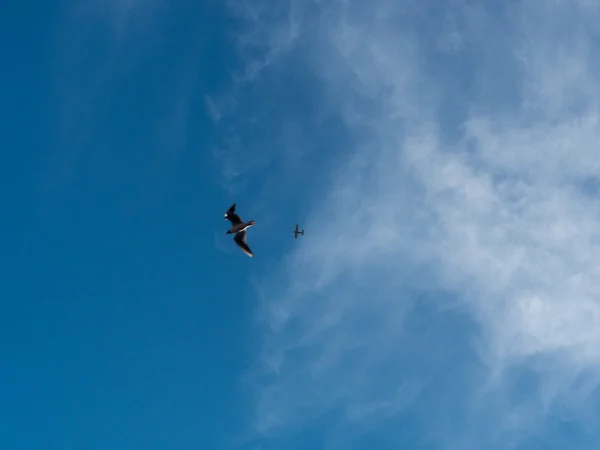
(239, 228)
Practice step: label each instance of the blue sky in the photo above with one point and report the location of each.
(442, 157)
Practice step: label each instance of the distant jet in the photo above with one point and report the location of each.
(296, 232)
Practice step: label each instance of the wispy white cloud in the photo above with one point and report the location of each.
(125, 19)
(486, 234)
(99, 48)
(261, 46)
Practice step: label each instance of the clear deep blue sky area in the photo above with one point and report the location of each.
(442, 156)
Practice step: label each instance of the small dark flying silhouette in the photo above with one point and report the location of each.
(296, 232)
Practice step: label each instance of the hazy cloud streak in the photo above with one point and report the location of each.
(473, 215)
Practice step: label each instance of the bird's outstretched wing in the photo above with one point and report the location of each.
(240, 240)
(232, 216)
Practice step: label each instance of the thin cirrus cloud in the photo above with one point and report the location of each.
(99, 48)
(450, 282)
